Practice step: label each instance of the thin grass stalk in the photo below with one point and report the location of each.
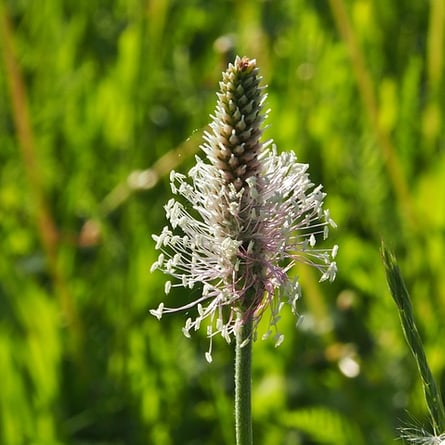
(435, 53)
(401, 297)
(46, 227)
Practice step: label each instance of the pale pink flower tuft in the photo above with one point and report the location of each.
(243, 218)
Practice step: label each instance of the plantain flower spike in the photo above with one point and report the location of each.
(244, 216)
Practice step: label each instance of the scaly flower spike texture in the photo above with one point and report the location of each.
(244, 217)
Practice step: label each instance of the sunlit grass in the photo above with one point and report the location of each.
(96, 97)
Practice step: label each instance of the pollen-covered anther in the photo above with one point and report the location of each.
(158, 312)
(279, 338)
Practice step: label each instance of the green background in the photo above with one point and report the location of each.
(98, 101)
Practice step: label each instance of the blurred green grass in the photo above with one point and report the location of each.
(98, 102)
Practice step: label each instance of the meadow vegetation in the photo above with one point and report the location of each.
(99, 100)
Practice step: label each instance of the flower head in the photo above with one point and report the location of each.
(244, 217)
(419, 436)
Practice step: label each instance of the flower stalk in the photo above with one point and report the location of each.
(243, 384)
(241, 219)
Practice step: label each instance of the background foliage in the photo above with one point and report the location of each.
(99, 100)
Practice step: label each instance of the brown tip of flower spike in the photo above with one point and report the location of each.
(234, 143)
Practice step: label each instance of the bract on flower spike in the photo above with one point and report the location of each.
(244, 216)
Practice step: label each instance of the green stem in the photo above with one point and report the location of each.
(401, 297)
(243, 380)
